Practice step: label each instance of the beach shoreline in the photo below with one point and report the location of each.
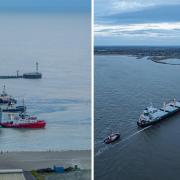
(31, 160)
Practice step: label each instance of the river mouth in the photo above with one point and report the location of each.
(124, 86)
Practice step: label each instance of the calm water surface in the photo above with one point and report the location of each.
(124, 86)
(61, 45)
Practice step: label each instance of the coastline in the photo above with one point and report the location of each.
(30, 160)
(156, 53)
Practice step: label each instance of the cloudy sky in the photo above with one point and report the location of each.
(137, 22)
(45, 5)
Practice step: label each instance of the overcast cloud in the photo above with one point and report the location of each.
(137, 22)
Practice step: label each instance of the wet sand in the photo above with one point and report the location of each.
(35, 160)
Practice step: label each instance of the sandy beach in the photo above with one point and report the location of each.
(34, 160)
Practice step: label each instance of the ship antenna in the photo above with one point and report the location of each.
(24, 106)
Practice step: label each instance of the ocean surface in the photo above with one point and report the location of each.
(61, 45)
(124, 86)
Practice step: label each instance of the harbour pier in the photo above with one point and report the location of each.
(31, 75)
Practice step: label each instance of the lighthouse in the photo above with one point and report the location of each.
(37, 64)
(33, 75)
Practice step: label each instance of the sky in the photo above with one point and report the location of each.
(45, 5)
(137, 22)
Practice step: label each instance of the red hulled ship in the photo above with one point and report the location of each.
(24, 121)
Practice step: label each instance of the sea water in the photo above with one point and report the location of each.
(61, 45)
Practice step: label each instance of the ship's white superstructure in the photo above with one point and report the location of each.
(151, 115)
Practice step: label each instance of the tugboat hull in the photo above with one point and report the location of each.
(113, 138)
(38, 124)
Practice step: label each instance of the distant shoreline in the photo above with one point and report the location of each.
(156, 54)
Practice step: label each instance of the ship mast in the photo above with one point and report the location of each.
(164, 105)
(174, 102)
(4, 90)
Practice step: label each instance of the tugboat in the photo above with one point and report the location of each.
(153, 115)
(23, 121)
(5, 98)
(112, 138)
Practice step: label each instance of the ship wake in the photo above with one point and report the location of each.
(124, 142)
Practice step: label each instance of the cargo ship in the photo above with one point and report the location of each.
(152, 115)
(23, 121)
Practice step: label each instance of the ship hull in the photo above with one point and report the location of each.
(160, 119)
(36, 125)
